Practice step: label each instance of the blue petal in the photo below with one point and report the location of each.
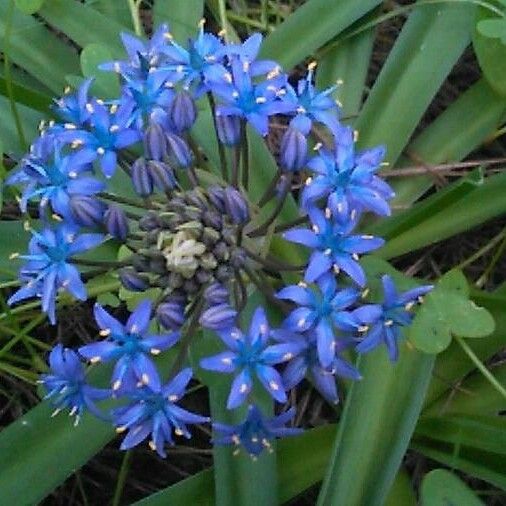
(223, 362)
(271, 380)
(138, 322)
(241, 387)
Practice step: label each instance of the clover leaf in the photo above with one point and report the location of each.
(447, 311)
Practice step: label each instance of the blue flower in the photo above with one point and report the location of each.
(382, 323)
(143, 56)
(312, 105)
(321, 310)
(250, 354)
(256, 432)
(66, 385)
(254, 102)
(71, 108)
(333, 247)
(48, 268)
(347, 179)
(248, 51)
(107, 133)
(129, 345)
(53, 178)
(198, 65)
(307, 363)
(153, 411)
(147, 98)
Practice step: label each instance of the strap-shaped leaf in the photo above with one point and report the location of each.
(430, 43)
(33, 47)
(181, 16)
(315, 23)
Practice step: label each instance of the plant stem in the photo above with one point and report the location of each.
(97, 263)
(134, 5)
(269, 191)
(221, 150)
(271, 263)
(262, 229)
(245, 156)
(481, 366)
(8, 76)
(123, 200)
(120, 484)
(223, 17)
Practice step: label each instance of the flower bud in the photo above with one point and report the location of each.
(182, 111)
(219, 317)
(229, 129)
(216, 293)
(216, 195)
(87, 210)
(171, 314)
(155, 143)
(161, 175)
(236, 205)
(140, 263)
(132, 280)
(293, 150)
(179, 152)
(212, 219)
(116, 222)
(141, 178)
(149, 222)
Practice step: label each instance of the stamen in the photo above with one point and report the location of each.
(155, 351)
(145, 379)
(121, 429)
(113, 108)
(243, 388)
(317, 146)
(100, 150)
(116, 385)
(72, 174)
(312, 65)
(96, 359)
(69, 126)
(389, 323)
(14, 255)
(260, 100)
(113, 128)
(173, 398)
(355, 136)
(288, 356)
(152, 445)
(104, 332)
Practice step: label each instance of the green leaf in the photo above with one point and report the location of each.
(347, 62)
(29, 6)
(183, 17)
(41, 53)
(106, 84)
(447, 310)
(493, 28)
(489, 42)
(453, 364)
(486, 466)
(315, 24)
(431, 41)
(84, 25)
(379, 417)
(442, 488)
(301, 464)
(401, 493)
(43, 451)
(462, 430)
(459, 130)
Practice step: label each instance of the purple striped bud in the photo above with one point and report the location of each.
(171, 314)
(87, 210)
(116, 222)
(141, 178)
(182, 111)
(216, 293)
(293, 150)
(155, 143)
(149, 222)
(216, 195)
(179, 152)
(236, 205)
(132, 280)
(162, 175)
(219, 317)
(229, 129)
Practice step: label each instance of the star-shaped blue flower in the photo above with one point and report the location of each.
(311, 105)
(107, 132)
(347, 179)
(256, 432)
(321, 310)
(48, 268)
(130, 346)
(382, 323)
(71, 107)
(153, 411)
(240, 96)
(333, 247)
(308, 364)
(53, 178)
(251, 355)
(66, 385)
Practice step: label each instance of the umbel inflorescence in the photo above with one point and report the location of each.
(194, 242)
